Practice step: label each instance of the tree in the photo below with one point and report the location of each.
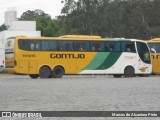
(113, 18)
(44, 23)
(3, 27)
(33, 15)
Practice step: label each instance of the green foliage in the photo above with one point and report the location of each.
(44, 23)
(113, 18)
(107, 18)
(3, 27)
(33, 15)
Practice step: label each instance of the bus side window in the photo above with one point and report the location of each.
(24, 44)
(52, 45)
(61, 46)
(32, 46)
(45, 45)
(109, 47)
(68, 45)
(128, 46)
(35, 45)
(82, 45)
(95, 46)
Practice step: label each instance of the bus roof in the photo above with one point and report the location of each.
(77, 37)
(154, 40)
(65, 37)
(80, 36)
(123, 39)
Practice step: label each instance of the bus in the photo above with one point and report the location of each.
(2, 56)
(154, 45)
(48, 57)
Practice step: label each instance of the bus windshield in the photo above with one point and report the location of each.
(143, 52)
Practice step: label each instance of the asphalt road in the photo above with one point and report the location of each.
(80, 93)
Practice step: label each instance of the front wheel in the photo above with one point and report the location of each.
(129, 71)
(34, 76)
(44, 72)
(58, 72)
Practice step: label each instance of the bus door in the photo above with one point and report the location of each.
(23, 66)
(28, 67)
(33, 67)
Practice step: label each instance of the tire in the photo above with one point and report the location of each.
(58, 72)
(34, 76)
(117, 75)
(44, 72)
(129, 71)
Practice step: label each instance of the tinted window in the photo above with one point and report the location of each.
(112, 46)
(96, 46)
(82, 46)
(49, 45)
(65, 45)
(24, 44)
(35, 45)
(128, 46)
(52, 45)
(45, 45)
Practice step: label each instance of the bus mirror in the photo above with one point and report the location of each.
(153, 50)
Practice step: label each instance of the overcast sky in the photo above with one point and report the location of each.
(51, 7)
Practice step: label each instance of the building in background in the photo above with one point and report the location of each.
(15, 28)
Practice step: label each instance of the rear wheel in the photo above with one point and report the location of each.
(129, 71)
(44, 72)
(117, 75)
(58, 72)
(34, 76)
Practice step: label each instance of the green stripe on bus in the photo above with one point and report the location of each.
(103, 61)
(110, 60)
(97, 61)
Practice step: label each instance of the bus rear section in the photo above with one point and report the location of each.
(9, 55)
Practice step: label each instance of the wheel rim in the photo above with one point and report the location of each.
(45, 72)
(58, 72)
(129, 72)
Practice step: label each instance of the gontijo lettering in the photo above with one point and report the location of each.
(67, 56)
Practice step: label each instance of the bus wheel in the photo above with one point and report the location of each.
(33, 76)
(58, 72)
(129, 71)
(117, 75)
(44, 72)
